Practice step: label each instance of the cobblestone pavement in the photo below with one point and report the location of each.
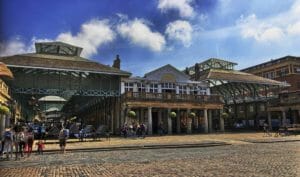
(256, 160)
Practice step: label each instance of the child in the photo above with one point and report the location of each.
(40, 146)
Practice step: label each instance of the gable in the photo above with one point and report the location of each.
(167, 73)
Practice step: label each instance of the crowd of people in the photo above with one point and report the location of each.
(133, 130)
(18, 141)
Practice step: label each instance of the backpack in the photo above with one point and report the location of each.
(7, 135)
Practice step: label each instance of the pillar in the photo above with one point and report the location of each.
(269, 120)
(178, 121)
(2, 123)
(283, 118)
(210, 128)
(122, 116)
(169, 122)
(205, 121)
(189, 122)
(117, 116)
(149, 121)
(221, 121)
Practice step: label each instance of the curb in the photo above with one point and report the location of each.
(270, 141)
(142, 147)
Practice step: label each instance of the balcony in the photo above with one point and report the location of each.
(171, 97)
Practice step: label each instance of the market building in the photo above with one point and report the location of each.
(165, 90)
(57, 69)
(245, 95)
(285, 108)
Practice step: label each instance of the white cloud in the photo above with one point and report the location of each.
(13, 47)
(139, 33)
(181, 31)
(260, 30)
(294, 29)
(92, 35)
(183, 6)
(276, 28)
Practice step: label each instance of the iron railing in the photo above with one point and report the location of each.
(170, 97)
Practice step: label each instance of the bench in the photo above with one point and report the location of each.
(294, 128)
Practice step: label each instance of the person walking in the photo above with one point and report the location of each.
(29, 142)
(63, 136)
(8, 143)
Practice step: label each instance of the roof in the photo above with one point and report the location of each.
(271, 62)
(5, 72)
(52, 98)
(217, 60)
(59, 62)
(237, 76)
(167, 66)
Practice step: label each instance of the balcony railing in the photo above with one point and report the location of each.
(170, 97)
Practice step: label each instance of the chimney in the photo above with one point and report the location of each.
(117, 62)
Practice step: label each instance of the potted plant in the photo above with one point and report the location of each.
(131, 114)
(4, 109)
(224, 115)
(172, 114)
(192, 115)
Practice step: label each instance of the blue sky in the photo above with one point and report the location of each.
(151, 33)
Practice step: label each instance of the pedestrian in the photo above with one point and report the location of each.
(29, 142)
(19, 141)
(63, 136)
(40, 147)
(266, 129)
(8, 143)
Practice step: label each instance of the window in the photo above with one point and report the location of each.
(297, 69)
(129, 87)
(251, 108)
(182, 89)
(282, 72)
(154, 88)
(141, 87)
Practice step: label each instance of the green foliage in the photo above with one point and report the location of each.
(192, 115)
(4, 109)
(131, 114)
(225, 115)
(172, 114)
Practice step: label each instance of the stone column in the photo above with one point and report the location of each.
(169, 122)
(283, 118)
(122, 116)
(149, 121)
(221, 121)
(2, 124)
(205, 121)
(269, 120)
(178, 121)
(210, 128)
(189, 122)
(117, 116)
